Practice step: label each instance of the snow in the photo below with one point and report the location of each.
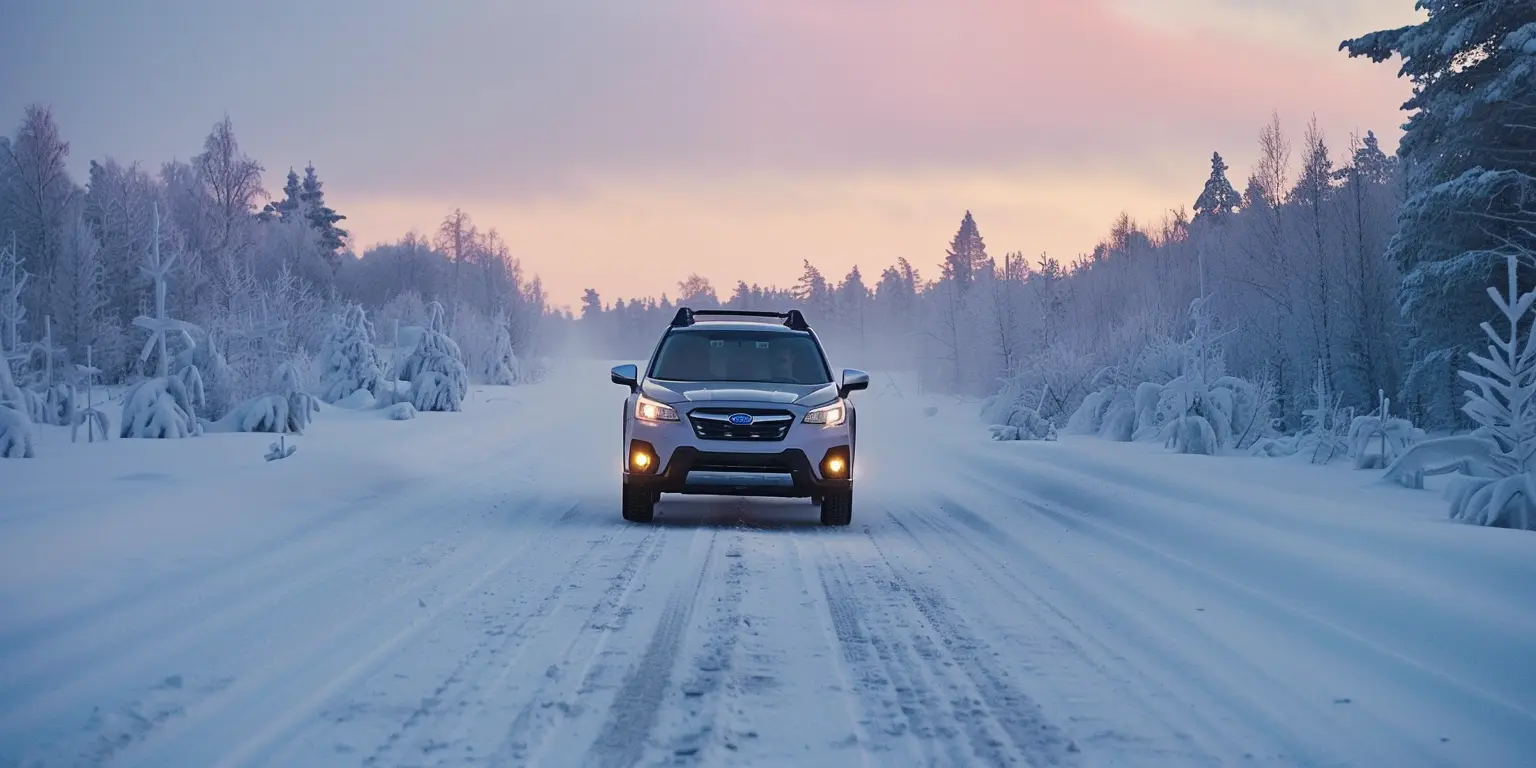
(458, 588)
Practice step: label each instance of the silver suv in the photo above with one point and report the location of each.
(739, 408)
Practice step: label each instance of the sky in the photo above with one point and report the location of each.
(623, 146)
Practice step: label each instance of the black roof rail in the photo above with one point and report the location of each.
(793, 319)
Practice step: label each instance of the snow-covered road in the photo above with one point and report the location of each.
(460, 590)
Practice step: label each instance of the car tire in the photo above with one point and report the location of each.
(837, 507)
(639, 504)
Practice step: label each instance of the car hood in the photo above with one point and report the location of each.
(675, 392)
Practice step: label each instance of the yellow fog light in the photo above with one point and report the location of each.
(640, 460)
(835, 466)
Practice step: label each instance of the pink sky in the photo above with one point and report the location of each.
(622, 146)
(859, 132)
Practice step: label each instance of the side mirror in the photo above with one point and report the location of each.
(628, 375)
(853, 381)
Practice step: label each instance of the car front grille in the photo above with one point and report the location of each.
(715, 424)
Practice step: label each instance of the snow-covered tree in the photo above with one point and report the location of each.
(321, 216)
(18, 438)
(499, 364)
(1470, 160)
(164, 405)
(435, 368)
(1504, 405)
(349, 362)
(289, 206)
(287, 409)
(1218, 198)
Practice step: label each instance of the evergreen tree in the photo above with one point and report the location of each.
(1469, 150)
(812, 291)
(1218, 198)
(591, 305)
(967, 254)
(1368, 163)
(348, 360)
(321, 216)
(287, 207)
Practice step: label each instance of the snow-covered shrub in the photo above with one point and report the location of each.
(1467, 454)
(401, 412)
(159, 408)
(1378, 438)
(435, 368)
(18, 439)
(1178, 393)
(209, 379)
(349, 362)
(1505, 406)
(1195, 418)
(287, 409)
(1324, 424)
(360, 400)
(1020, 419)
(262, 413)
(1025, 425)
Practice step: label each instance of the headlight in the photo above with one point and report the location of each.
(647, 409)
(830, 415)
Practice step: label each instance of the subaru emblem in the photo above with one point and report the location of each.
(741, 419)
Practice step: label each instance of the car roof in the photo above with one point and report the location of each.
(737, 325)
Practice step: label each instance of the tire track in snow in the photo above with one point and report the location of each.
(90, 650)
(560, 694)
(233, 572)
(624, 736)
(983, 700)
(700, 699)
(1089, 669)
(886, 675)
(468, 678)
(1272, 711)
(244, 719)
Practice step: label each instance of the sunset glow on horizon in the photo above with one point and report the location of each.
(621, 149)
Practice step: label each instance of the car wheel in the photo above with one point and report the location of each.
(837, 507)
(639, 504)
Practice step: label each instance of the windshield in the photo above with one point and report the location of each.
(766, 357)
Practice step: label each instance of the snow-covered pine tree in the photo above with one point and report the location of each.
(321, 216)
(1505, 407)
(1218, 198)
(435, 368)
(287, 409)
(1378, 438)
(1470, 173)
(282, 210)
(349, 362)
(161, 406)
(18, 438)
(499, 364)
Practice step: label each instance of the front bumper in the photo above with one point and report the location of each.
(787, 473)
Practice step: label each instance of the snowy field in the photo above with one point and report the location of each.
(459, 590)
